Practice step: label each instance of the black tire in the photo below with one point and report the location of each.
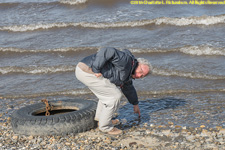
(24, 121)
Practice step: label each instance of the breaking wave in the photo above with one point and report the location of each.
(184, 21)
(58, 69)
(202, 50)
(166, 72)
(76, 92)
(73, 2)
(164, 92)
(67, 92)
(69, 2)
(36, 70)
(69, 49)
(190, 50)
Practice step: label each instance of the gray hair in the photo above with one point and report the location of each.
(144, 61)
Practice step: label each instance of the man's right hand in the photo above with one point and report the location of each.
(98, 75)
(137, 110)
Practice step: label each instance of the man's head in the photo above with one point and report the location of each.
(143, 68)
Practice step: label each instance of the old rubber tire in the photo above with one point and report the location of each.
(24, 121)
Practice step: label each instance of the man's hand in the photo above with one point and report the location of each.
(137, 110)
(98, 75)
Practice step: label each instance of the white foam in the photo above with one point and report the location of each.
(57, 69)
(147, 50)
(36, 70)
(76, 92)
(184, 21)
(73, 2)
(32, 27)
(202, 50)
(67, 49)
(194, 75)
(180, 91)
(190, 50)
(67, 92)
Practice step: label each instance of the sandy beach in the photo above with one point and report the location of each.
(135, 136)
(182, 103)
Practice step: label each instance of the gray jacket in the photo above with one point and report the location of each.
(117, 66)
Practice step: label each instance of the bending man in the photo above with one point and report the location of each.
(105, 71)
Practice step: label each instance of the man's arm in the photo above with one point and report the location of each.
(131, 94)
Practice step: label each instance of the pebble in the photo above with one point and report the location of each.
(170, 123)
(222, 131)
(141, 145)
(132, 144)
(107, 141)
(178, 126)
(30, 137)
(202, 126)
(67, 143)
(136, 133)
(15, 137)
(43, 143)
(166, 132)
(147, 131)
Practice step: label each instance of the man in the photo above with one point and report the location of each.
(103, 73)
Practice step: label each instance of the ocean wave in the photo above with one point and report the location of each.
(61, 68)
(36, 69)
(180, 91)
(183, 21)
(77, 92)
(69, 2)
(193, 75)
(73, 2)
(57, 93)
(201, 50)
(16, 2)
(190, 50)
(9, 4)
(67, 49)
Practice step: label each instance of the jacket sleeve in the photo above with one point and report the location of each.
(102, 56)
(130, 93)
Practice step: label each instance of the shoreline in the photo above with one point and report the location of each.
(146, 136)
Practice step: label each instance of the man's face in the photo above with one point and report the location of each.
(141, 71)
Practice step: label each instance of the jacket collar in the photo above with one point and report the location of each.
(134, 66)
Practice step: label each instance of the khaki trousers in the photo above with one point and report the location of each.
(108, 94)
